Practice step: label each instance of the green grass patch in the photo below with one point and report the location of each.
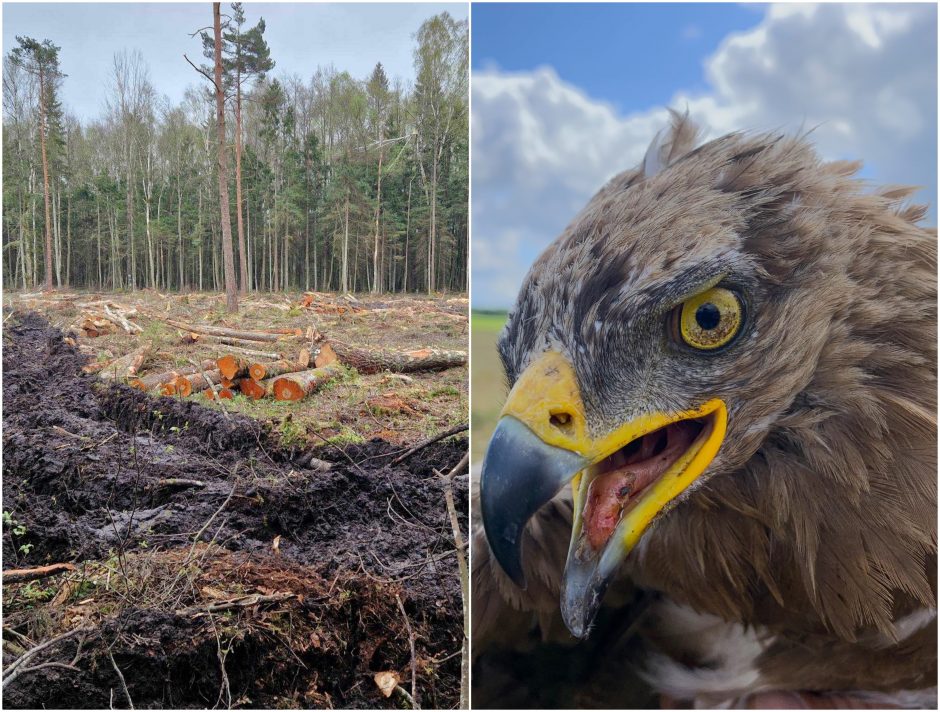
(487, 381)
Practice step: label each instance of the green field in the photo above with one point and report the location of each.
(487, 382)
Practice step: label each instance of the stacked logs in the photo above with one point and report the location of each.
(258, 373)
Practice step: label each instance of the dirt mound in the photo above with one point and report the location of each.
(124, 484)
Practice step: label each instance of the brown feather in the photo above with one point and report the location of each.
(818, 519)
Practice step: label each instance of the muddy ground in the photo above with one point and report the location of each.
(272, 578)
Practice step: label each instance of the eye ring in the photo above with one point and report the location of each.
(711, 319)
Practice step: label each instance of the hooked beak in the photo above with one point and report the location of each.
(621, 480)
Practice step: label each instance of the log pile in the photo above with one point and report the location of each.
(102, 317)
(252, 362)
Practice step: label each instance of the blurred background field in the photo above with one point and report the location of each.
(486, 378)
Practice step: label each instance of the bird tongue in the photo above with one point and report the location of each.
(629, 471)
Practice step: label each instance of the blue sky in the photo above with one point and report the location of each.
(631, 55)
(566, 96)
(352, 37)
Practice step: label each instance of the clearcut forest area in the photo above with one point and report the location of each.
(235, 383)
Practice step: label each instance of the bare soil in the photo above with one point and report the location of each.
(166, 570)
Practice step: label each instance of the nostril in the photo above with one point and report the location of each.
(561, 420)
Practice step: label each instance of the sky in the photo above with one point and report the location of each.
(352, 37)
(564, 97)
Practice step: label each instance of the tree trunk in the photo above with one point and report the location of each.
(373, 361)
(345, 284)
(242, 250)
(377, 250)
(231, 291)
(45, 174)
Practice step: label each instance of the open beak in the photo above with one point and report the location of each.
(621, 480)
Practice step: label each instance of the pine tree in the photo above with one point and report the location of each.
(41, 59)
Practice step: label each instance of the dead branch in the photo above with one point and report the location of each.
(430, 441)
(22, 575)
(464, 579)
(120, 675)
(254, 599)
(180, 482)
(414, 661)
(16, 668)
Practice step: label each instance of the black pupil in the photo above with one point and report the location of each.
(707, 316)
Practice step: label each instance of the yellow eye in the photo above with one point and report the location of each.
(711, 319)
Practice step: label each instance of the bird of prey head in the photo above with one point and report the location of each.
(729, 356)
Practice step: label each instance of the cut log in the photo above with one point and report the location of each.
(325, 356)
(21, 575)
(260, 371)
(297, 386)
(96, 366)
(233, 366)
(239, 345)
(187, 385)
(253, 389)
(230, 333)
(142, 355)
(224, 393)
(375, 361)
(127, 365)
(148, 383)
(303, 358)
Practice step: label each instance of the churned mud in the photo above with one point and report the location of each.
(214, 567)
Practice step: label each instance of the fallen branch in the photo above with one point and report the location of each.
(254, 599)
(127, 693)
(430, 441)
(414, 661)
(16, 668)
(121, 321)
(39, 572)
(464, 579)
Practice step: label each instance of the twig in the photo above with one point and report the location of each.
(205, 74)
(414, 661)
(345, 454)
(430, 441)
(253, 599)
(208, 522)
(464, 579)
(121, 678)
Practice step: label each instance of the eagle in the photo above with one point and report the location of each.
(723, 405)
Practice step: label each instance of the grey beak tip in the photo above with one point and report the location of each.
(520, 474)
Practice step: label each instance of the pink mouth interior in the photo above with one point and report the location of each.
(628, 472)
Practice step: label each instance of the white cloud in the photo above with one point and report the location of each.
(863, 76)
